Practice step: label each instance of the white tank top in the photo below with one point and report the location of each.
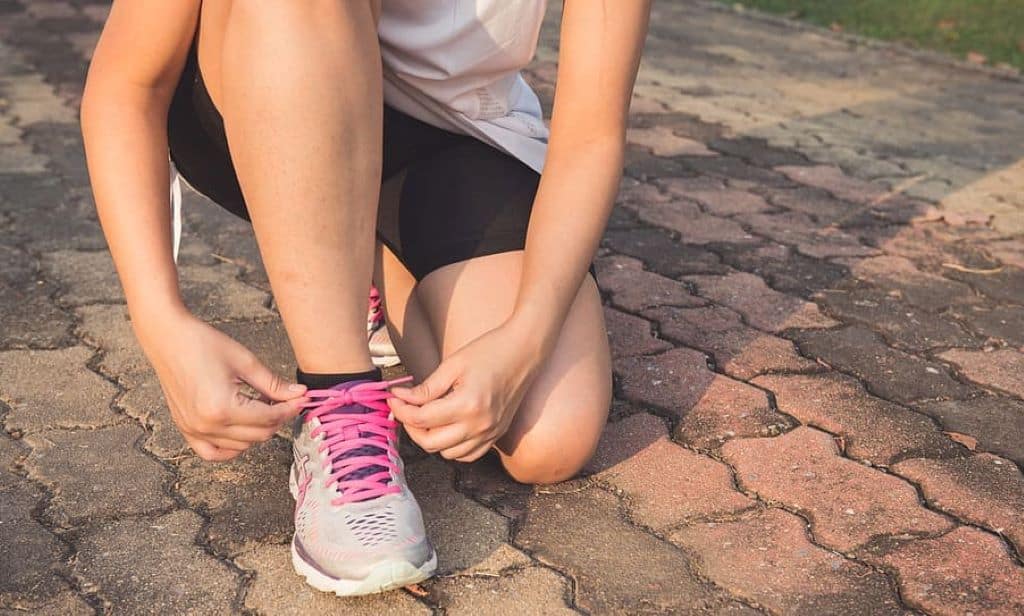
(456, 64)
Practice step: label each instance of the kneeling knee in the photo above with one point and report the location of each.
(543, 468)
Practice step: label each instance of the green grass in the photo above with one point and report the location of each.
(993, 28)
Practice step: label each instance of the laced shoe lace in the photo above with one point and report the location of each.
(376, 316)
(360, 438)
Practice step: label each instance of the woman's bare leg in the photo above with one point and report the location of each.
(299, 86)
(557, 427)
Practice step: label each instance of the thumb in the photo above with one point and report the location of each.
(262, 379)
(433, 387)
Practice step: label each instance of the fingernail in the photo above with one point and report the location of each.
(296, 387)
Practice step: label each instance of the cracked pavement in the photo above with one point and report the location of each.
(814, 282)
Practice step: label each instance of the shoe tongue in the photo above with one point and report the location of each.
(351, 432)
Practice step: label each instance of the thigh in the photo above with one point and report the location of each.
(557, 426)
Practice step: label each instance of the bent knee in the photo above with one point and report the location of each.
(534, 465)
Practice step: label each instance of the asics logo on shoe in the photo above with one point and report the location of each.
(302, 479)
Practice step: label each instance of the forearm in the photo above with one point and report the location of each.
(576, 196)
(124, 128)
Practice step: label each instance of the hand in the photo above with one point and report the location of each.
(201, 372)
(470, 400)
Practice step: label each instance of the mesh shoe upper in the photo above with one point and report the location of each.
(353, 507)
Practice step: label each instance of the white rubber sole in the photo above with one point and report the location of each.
(385, 576)
(385, 361)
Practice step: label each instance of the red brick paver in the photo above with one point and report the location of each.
(965, 571)
(847, 503)
(665, 483)
(768, 559)
(712, 408)
(983, 489)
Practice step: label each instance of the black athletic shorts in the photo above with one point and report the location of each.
(445, 197)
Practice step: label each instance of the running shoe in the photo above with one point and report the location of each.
(382, 351)
(358, 528)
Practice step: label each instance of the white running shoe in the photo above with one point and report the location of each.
(382, 351)
(358, 528)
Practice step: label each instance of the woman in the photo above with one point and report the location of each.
(390, 141)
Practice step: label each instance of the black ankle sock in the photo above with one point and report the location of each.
(325, 381)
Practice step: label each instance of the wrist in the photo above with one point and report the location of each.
(151, 318)
(536, 331)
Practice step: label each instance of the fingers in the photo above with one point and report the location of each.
(438, 439)
(467, 451)
(473, 455)
(248, 434)
(252, 412)
(441, 412)
(257, 413)
(433, 387)
(210, 452)
(262, 379)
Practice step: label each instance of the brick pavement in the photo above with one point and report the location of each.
(815, 289)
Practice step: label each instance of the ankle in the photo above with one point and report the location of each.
(321, 380)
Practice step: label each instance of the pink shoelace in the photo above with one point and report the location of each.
(376, 315)
(346, 433)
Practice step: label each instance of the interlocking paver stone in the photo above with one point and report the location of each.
(809, 237)
(626, 571)
(84, 468)
(1003, 284)
(904, 325)
(1002, 369)
(732, 168)
(665, 484)
(996, 423)
(761, 306)
(635, 191)
(693, 226)
(712, 408)
(847, 503)
(766, 558)
(630, 335)
(138, 563)
(145, 402)
(533, 590)
(874, 430)
(1004, 324)
(277, 589)
(65, 603)
(108, 327)
(464, 532)
(54, 389)
(982, 489)
(727, 202)
(32, 569)
(210, 292)
(662, 254)
(663, 142)
(487, 482)
(757, 151)
(28, 317)
(834, 181)
(740, 351)
(783, 268)
(818, 204)
(890, 373)
(246, 500)
(964, 571)
(926, 291)
(634, 289)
